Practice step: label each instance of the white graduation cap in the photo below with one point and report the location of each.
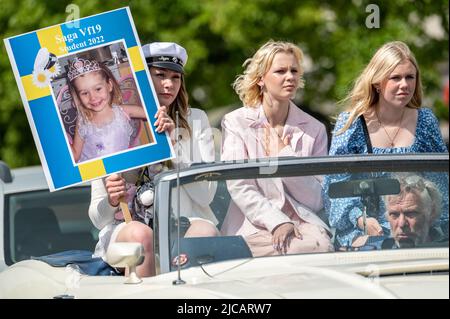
(44, 60)
(43, 63)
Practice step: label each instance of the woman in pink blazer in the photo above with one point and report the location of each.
(274, 215)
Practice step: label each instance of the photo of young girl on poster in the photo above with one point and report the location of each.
(109, 117)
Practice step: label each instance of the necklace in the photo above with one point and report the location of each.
(391, 140)
(268, 138)
(267, 133)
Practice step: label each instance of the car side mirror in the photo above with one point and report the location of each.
(126, 255)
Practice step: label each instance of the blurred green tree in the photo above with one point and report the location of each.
(220, 34)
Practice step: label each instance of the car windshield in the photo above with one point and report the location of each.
(42, 223)
(335, 204)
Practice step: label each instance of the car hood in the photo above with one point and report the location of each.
(414, 273)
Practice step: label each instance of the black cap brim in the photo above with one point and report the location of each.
(167, 65)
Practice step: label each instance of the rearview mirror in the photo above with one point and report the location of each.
(364, 187)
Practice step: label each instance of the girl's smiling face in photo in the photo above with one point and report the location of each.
(94, 91)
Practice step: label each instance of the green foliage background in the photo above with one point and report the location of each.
(220, 34)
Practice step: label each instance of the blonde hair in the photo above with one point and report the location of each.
(246, 84)
(115, 95)
(364, 95)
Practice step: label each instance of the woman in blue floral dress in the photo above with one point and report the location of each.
(387, 100)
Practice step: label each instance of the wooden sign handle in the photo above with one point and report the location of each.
(126, 212)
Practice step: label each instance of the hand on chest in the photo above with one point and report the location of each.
(266, 141)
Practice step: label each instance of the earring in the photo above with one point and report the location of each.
(261, 89)
(378, 90)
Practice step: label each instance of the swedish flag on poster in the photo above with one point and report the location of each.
(88, 97)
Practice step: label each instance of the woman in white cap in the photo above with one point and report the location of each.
(166, 61)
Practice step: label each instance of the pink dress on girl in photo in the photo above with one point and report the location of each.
(107, 139)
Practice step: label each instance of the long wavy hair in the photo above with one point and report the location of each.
(364, 95)
(246, 84)
(115, 95)
(181, 104)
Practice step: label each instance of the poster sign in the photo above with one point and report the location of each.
(88, 97)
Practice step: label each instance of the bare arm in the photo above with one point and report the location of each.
(134, 111)
(373, 226)
(77, 145)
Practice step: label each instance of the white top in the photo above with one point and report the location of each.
(112, 137)
(194, 198)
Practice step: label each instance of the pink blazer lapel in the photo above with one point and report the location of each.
(296, 136)
(293, 127)
(257, 122)
(294, 123)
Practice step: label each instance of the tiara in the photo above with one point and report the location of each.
(81, 66)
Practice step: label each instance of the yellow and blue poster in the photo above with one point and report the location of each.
(89, 98)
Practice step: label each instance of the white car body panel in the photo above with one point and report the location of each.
(331, 275)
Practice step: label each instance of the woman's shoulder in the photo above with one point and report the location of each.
(350, 141)
(426, 120)
(197, 113)
(244, 112)
(240, 111)
(240, 119)
(428, 127)
(301, 116)
(342, 119)
(426, 113)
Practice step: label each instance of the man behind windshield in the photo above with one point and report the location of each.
(411, 215)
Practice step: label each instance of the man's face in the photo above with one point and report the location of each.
(409, 218)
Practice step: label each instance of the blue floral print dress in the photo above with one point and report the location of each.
(343, 213)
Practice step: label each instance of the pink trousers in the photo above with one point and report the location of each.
(315, 238)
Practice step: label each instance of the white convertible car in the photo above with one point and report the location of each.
(223, 267)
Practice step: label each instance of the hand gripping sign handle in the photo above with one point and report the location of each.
(124, 208)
